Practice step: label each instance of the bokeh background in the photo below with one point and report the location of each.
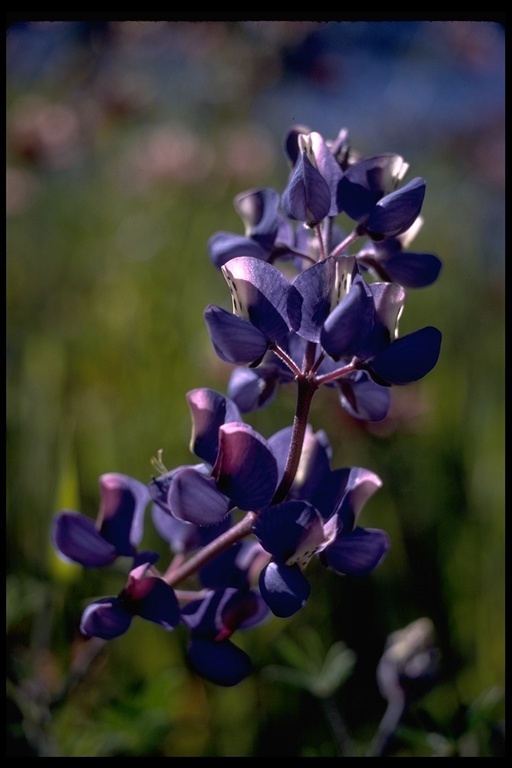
(126, 143)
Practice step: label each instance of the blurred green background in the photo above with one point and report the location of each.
(126, 143)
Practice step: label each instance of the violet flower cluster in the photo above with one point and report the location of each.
(313, 306)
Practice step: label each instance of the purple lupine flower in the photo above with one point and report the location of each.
(149, 597)
(303, 184)
(211, 622)
(367, 181)
(318, 289)
(230, 604)
(365, 325)
(265, 308)
(258, 209)
(239, 469)
(294, 531)
(354, 322)
(307, 196)
(362, 397)
(389, 260)
(117, 531)
(268, 236)
(367, 193)
(396, 212)
(339, 147)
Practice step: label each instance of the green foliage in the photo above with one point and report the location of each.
(309, 666)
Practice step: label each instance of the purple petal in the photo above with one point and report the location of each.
(258, 209)
(407, 359)
(159, 488)
(240, 608)
(412, 270)
(181, 536)
(154, 600)
(357, 553)
(195, 498)
(122, 507)
(264, 296)
(223, 246)
(222, 663)
(363, 398)
(284, 588)
(224, 569)
(291, 142)
(235, 339)
(279, 444)
(389, 301)
(328, 167)
(105, 618)
(251, 388)
(200, 616)
(77, 538)
(330, 493)
(351, 321)
(314, 465)
(396, 212)
(340, 147)
(209, 410)
(366, 182)
(307, 196)
(246, 469)
(316, 286)
(361, 485)
(289, 529)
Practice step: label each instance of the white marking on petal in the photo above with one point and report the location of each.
(238, 308)
(306, 145)
(343, 279)
(307, 548)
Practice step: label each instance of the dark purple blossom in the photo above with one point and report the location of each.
(364, 325)
(307, 196)
(294, 531)
(354, 324)
(146, 596)
(230, 604)
(367, 193)
(265, 308)
(211, 621)
(390, 260)
(318, 517)
(367, 181)
(339, 148)
(268, 236)
(117, 531)
(243, 473)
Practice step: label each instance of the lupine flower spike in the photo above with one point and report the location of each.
(317, 280)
